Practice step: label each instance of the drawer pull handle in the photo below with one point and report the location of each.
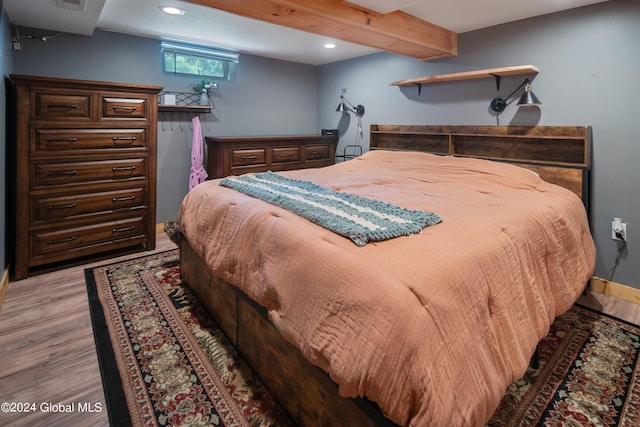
(124, 138)
(120, 107)
(249, 157)
(67, 240)
(62, 139)
(123, 229)
(67, 106)
(286, 155)
(62, 173)
(123, 199)
(126, 168)
(69, 206)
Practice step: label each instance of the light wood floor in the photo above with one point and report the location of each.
(47, 352)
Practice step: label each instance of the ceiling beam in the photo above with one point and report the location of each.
(395, 32)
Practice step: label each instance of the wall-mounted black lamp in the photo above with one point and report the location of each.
(358, 110)
(528, 98)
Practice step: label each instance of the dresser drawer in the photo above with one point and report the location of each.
(248, 157)
(47, 140)
(119, 108)
(62, 106)
(47, 174)
(48, 208)
(48, 242)
(316, 152)
(285, 154)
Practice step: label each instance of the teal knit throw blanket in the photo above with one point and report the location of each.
(360, 219)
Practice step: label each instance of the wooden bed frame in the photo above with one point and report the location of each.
(560, 155)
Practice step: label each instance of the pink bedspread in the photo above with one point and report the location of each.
(434, 326)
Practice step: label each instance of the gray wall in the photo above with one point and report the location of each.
(589, 60)
(269, 97)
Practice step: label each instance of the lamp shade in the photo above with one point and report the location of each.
(342, 108)
(528, 98)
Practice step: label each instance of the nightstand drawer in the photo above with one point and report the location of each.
(48, 242)
(316, 152)
(62, 106)
(47, 140)
(285, 154)
(47, 208)
(119, 108)
(47, 174)
(248, 157)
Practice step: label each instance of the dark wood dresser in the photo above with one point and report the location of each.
(85, 164)
(237, 155)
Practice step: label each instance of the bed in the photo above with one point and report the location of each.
(425, 329)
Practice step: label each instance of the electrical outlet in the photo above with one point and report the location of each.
(618, 227)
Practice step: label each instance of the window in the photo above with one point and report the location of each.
(193, 60)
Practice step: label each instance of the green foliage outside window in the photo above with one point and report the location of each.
(199, 61)
(183, 64)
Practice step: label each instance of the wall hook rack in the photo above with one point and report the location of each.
(179, 117)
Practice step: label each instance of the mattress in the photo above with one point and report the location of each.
(432, 327)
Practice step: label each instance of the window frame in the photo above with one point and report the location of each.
(228, 58)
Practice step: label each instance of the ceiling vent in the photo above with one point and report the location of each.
(72, 4)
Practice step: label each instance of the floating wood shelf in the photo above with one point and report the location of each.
(184, 102)
(469, 75)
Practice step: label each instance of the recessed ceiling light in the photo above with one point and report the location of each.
(172, 10)
(329, 45)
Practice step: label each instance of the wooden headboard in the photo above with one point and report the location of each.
(559, 154)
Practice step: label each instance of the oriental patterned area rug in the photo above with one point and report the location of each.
(164, 361)
(588, 376)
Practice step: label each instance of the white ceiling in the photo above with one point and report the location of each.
(209, 26)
